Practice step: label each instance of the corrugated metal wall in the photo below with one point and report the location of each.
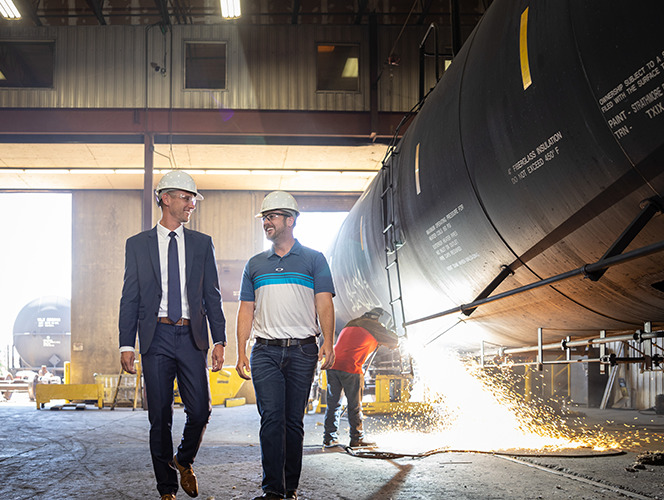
(269, 68)
(101, 222)
(642, 386)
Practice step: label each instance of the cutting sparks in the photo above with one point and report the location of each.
(466, 409)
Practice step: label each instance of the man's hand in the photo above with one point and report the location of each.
(326, 355)
(242, 367)
(127, 359)
(218, 357)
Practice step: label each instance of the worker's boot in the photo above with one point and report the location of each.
(361, 443)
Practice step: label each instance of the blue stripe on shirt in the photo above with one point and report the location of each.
(284, 279)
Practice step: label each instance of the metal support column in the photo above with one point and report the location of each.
(148, 196)
(540, 351)
(602, 351)
(646, 346)
(373, 73)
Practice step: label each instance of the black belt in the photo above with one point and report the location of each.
(180, 322)
(286, 342)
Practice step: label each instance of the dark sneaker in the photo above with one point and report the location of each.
(291, 495)
(330, 443)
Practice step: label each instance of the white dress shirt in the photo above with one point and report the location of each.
(164, 239)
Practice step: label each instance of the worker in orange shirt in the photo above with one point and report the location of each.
(358, 339)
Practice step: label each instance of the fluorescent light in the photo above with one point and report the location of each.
(226, 171)
(318, 173)
(46, 171)
(88, 171)
(274, 171)
(230, 9)
(350, 68)
(359, 173)
(129, 171)
(8, 10)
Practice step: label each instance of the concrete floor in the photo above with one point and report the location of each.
(98, 454)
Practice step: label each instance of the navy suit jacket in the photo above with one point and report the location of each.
(141, 291)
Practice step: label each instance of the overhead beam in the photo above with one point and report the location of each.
(296, 11)
(426, 7)
(163, 11)
(97, 10)
(27, 9)
(204, 123)
(361, 7)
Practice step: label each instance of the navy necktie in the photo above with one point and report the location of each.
(174, 300)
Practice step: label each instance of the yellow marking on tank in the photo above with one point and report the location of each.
(523, 50)
(417, 169)
(361, 234)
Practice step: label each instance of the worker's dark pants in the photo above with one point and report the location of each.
(173, 353)
(282, 379)
(338, 383)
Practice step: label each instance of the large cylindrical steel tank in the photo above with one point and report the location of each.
(42, 332)
(540, 145)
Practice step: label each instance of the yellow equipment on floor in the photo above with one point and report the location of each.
(44, 393)
(393, 396)
(224, 387)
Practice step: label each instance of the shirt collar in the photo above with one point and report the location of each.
(163, 231)
(295, 250)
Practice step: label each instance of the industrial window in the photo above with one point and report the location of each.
(26, 64)
(337, 67)
(205, 65)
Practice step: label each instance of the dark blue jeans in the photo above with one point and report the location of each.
(339, 382)
(173, 353)
(282, 379)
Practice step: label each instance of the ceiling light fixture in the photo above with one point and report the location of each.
(230, 9)
(92, 171)
(8, 10)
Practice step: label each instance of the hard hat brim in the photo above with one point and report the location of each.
(198, 196)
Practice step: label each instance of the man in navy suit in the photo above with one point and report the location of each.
(170, 295)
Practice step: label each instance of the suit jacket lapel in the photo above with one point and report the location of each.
(153, 251)
(189, 253)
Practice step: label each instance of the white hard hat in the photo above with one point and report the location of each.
(177, 179)
(279, 200)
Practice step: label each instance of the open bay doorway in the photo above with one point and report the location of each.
(35, 265)
(316, 230)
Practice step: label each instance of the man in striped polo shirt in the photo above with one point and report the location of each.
(285, 303)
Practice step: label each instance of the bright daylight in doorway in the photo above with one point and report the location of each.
(37, 263)
(316, 230)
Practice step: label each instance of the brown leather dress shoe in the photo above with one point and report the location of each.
(168, 496)
(187, 478)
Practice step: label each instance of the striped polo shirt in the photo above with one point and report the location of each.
(283, 290)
